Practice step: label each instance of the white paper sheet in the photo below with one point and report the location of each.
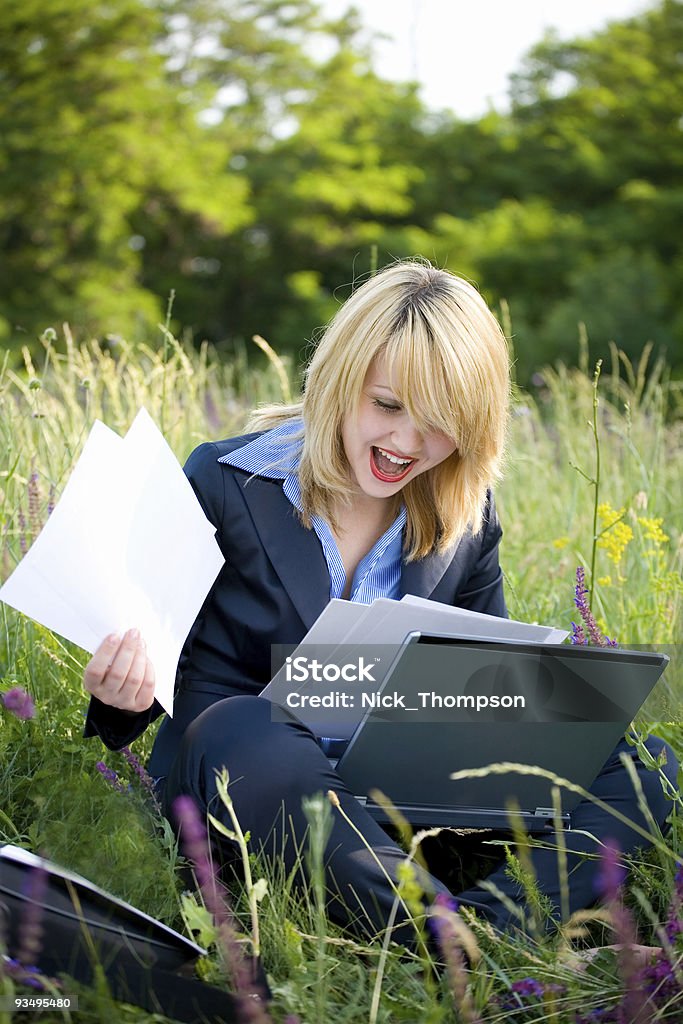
(478, 624)
(127, 545)
(344, 631)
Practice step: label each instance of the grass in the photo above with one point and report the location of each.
(557, 514)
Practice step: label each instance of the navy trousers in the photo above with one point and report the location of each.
(274, 764)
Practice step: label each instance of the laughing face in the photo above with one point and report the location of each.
(383, 446)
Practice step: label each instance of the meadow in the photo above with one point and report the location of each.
(592, 480)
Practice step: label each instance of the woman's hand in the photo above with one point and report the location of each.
(120, 673)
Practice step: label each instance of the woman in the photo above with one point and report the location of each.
(375, 485)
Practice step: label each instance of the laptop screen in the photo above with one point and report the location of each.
(454, 705)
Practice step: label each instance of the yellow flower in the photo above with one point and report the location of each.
(653, 529)
(616, 533)
(560, 542)
(604, 581)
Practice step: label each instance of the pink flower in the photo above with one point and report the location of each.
(19, 703)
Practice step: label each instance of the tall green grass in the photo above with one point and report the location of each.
(55, 801)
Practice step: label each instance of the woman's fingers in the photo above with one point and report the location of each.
(120, 674)
(145, 694)
(124, 661)
(96, 669)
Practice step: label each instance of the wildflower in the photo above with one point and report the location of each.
(23, 546)
(30, 976)
(34, 500)
(616, 534)
(678, 882)
(653, 530)
(145, 778)
(659, 981)
(674, 924)
(528, 987)
(111, 776)
(30, 935)
(443, 905)
(527, 994)
(605, 581)
(580, 591)
(578, 634)
(51, 500)
(443, 922)
(600, 1015)
(196, 847)
(560, 543)
(611, 874)
(19, 703)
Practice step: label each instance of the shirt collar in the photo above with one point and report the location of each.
(274, 454)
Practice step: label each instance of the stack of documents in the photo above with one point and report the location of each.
(346, 633)
(128, 545)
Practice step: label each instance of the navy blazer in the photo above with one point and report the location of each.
(273, 586)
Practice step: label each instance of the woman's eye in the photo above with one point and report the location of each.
(386, 406)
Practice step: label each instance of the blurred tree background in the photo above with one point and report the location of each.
(245, 155)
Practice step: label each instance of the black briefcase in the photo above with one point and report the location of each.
(81, 925)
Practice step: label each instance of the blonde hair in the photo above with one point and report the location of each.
(448, 364)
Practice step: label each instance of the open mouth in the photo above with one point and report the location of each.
(387, 466)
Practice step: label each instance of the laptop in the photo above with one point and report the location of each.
(448, 705)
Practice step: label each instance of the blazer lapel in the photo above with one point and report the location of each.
(422, 577)
(295, 552)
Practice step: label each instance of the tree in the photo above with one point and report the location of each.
(91, 132)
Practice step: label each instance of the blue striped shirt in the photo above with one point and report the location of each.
(275, 455)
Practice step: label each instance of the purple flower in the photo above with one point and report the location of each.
(525, 994)
(674, 924)
(31, 976)
(658, 979)
(578, 634)
(441, 922)
(444, 904)
(601, 1015)
(23, 545)
(145, 778)
(34, 502)
(19, 703)
(111, 776)
(611, 873)
(610, 878)
(30, 937)
(196, 847)
(528, 987)
(678, 881)
(580, 591)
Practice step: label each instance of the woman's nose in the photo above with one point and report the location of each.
(407, 438)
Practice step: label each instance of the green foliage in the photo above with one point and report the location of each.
(551, 433)
(55, 801)
(90, 126)
(246, 156)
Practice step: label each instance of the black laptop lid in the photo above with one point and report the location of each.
(449, 705)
